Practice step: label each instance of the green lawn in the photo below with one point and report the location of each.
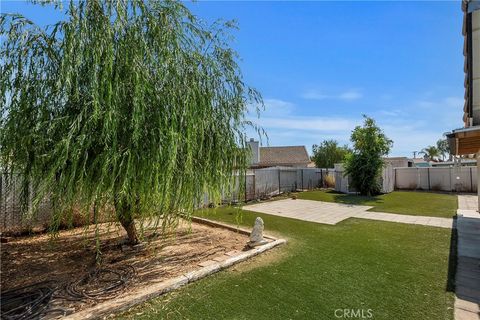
(403, 202)
(399, 271)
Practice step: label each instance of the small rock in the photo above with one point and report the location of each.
(139, 246)
(136, 247)
(126, 248)
(232, 253)
(206, 263)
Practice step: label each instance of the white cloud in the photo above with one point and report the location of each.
(426, 104)
(448, 102)
(411, 126)
(273, 108)
(391, 113)
(409, 138)
(455, 102)
(280, 114)
(446, 111)
(285, 127)
(314, 95)
(308, 123)
(278, 107)
(348, 95)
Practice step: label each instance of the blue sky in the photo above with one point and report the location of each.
(321, 65)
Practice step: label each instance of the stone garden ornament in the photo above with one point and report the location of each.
(256, 237)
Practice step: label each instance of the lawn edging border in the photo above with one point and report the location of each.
(117, 305)
(216, 224)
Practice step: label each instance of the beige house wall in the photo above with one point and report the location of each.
(476, 66)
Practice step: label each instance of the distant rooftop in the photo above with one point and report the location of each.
(285, 155)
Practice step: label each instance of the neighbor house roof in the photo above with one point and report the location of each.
(396, 158)
(277, 156)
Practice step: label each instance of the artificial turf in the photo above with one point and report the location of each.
(397, 271)
(403, 202)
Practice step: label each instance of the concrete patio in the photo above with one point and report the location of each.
(333, 213)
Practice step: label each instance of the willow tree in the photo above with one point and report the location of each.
(135, 105)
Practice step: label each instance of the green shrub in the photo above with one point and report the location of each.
(364, 165)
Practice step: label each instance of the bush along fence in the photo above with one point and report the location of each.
(343, 182)
(452, 179)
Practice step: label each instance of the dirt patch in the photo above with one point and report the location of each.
(70, 257)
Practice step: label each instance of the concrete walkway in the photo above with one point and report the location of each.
(332, 213)
(409, 219)
(467, 278)
(467, 206)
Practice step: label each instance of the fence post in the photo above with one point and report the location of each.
(395, 179)
(428, 174)
(450, 176)
(302, 180)
(254, 187)
(279, 186)
(471, 180)
(245, 187)
(418, 178)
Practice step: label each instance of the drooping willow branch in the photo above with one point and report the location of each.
(135, 105)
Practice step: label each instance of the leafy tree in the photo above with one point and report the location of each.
(365, 163)
(430, 153)
(443, 148)
(328, 153)
(134, 105)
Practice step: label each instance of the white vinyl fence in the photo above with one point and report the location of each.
(456, 179)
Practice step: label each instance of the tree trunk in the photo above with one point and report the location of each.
(124, 215)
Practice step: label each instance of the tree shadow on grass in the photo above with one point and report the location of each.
(355, 199)
(452, 258)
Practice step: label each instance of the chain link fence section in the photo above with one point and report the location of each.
(12, 217)
(259, 184)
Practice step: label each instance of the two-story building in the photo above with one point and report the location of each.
(466, 140)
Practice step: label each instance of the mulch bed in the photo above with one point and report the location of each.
(64, 261)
